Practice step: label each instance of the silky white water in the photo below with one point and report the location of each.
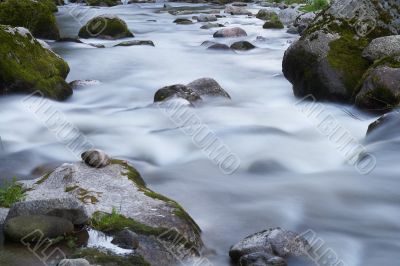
(291, 175)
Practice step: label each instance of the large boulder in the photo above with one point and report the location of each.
(116, 198)
(327, 61)
(26, 66)
(382, 47)
(24, 228)
(192, 92)
(380, 87)
(37, 16)
(268, 246)
(109, 27)
(68, 208)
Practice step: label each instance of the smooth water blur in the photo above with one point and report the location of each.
(290, 176)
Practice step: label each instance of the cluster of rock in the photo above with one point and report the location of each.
(108, 195)
(349, 53)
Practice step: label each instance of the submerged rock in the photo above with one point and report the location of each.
(37, 16)
(31, 228)
(135, 42)
(230, 33)
(106, 26)
(183, 21)
(26, 66)
(242, 46)
(218, 46)
(191, 92)
(327, 61)
(269, 246)
(126, 239)
(211, 25)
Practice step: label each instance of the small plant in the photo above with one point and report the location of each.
(11, 193)
(316, 5)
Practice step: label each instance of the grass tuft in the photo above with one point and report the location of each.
(11, 193)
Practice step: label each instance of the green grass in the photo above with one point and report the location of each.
(11, 193)
(316, 5)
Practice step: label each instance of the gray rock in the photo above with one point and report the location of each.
(74, 262)
(380, 90)
(237, 10)
(266, 14)
(382, 47)
(126, 239)
(31, 228)
(389, 120)
(3, 215)
(135, 42)
(68, 208)
(242, 46)
(207, 87)
(261, 259)
(77, 84)
(303, 20)
(288, 15)
(211, 25)
(218, 46)
(183, 21)
(329, 65)
(230, 33)
(275, 241)
(206, 18)
(178, 91)
(95, 158)
(239, 4)
(293, 30)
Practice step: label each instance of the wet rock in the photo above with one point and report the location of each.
(303, 20)
(236, 10)
(104, 3)
(382, 47)
(230, 33)
(74, 262)
(29, 67)
(327, 61)
(261, 259)
(77, 84)
(31, 228)
(206, 18)
(276, 241)
(389, 120)
(218, 46)
(192, 92)
(119, 191)
(97, 45)
(211, 25)
(265, 14)
(239, 4)
(183, 21)
(68, 208)
(109, 27)
(288, 15)
(37, 16)
(96, 158)
(380, 89)
(273, 23)
(242, 46)
(293, 30)
(135, 42)
(126, 239)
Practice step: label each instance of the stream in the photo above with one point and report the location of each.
(290, 174)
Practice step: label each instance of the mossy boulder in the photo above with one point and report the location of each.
(380, 87)
(108, 27)
(37, 16)
(265, 14)
(273, 23)
(26, 66)
(327, 61)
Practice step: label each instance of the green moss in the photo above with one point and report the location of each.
(37, 16)
(25, 66)
(131, 172)
(11, 193)
(105, 28)
(71, 188)
(345, 56)
(95, 256)
(44, 178)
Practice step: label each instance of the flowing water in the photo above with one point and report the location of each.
(290, 174)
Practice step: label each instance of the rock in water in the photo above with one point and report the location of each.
(117, 190)
(105, 3)
(230, 32)
(242, 46)
(183, 21)
(268, 244)
(389, 120)
(26, 66)
(106, 26)
(218, 46)
(37, 16)
(126, 239)
(35, 228)
(382, 47)
(95, 158)
(208, 87)
(237, 10)
(135, 43)
(327, 61)
(178, 90)
(73, 262)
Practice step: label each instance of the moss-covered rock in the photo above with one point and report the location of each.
(273, 23)
(327, 61)
(265, 14)
(37, 16)
(26, 66)
(103, 2)
(108, 27)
